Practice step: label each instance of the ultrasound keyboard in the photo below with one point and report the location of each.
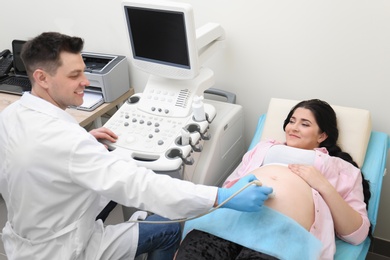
(155, 141)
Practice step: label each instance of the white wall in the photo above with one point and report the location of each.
(335, 50)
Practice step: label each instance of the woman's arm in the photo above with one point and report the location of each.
(346, 219)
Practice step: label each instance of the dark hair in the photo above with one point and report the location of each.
(44, 51)
(326, 119)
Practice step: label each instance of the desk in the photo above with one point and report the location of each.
(83, 117)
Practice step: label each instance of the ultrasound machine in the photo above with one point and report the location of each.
(176, 126)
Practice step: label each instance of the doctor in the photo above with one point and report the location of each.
(53, 173)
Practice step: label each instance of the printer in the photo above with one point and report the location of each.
(108, 74)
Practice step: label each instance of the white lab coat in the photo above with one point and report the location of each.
(52, 176)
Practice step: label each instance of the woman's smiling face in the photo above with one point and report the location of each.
(302, 131)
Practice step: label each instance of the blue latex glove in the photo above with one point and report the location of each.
(250, 199)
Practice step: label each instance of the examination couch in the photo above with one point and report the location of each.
(368, 148)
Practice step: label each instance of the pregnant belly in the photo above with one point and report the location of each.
(293, 196)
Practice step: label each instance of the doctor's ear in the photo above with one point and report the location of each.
(40, 77)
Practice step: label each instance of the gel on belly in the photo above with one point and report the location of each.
(258, 183)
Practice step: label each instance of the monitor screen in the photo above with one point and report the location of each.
(162, 38)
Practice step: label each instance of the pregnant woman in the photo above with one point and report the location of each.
(316, 184)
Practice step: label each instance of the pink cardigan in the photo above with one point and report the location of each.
(342, 175)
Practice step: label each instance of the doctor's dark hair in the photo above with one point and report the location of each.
(326, 119)
(44, 51)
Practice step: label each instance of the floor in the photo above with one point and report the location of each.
(115, 217)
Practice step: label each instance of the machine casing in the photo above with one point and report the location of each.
(223, 152)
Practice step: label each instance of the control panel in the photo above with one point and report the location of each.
(160, 141)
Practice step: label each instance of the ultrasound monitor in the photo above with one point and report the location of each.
(165, 44)
(163, 38)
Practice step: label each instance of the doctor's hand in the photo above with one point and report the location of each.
(250, 199)
(103, 133)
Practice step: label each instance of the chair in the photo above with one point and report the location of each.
(368, 148)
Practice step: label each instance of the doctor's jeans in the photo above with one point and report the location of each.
(159, 241)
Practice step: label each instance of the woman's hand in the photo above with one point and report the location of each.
(103, 133)
(311, 175)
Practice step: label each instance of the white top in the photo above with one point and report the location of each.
(53, 174)
(283, 154)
